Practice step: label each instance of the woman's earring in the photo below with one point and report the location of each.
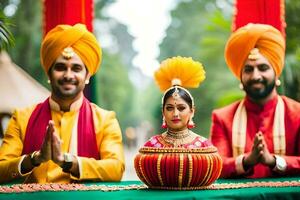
(277, 82)
(164, 124)
(241, 86)
(48, 81)
(191, 123)
(87, 81)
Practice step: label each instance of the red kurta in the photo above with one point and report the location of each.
(259, 118)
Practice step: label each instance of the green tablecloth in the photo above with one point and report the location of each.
(241, 193)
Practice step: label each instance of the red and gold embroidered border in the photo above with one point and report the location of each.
(34, 187)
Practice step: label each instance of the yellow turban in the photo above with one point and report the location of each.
(266, 38)
(79, 38)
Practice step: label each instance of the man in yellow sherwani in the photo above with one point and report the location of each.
(65, 138)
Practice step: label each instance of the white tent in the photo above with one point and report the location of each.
(17, 88)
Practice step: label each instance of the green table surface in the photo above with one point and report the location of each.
(241, 193)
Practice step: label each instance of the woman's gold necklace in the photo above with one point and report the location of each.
(179, 138)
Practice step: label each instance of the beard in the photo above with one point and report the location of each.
(261, 93)
(60, 92)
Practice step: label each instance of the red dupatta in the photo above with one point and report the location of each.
(38, 122)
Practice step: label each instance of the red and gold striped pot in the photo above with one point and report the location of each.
(178, 168)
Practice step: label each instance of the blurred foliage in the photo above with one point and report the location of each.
(27, 30)
(291, 73)
(114, 90)
(150, 101)
(292, 19)
(228, 98)
(6, 37)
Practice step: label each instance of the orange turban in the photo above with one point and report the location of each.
(266, 38)
(83, 42)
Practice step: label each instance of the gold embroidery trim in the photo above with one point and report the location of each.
(142, 171)
(206, 172)
(159, 169)
(35, 187)
(180, 170)
(211, 166)
(190, 169)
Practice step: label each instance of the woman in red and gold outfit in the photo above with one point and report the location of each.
(178, 159)
(178, 104)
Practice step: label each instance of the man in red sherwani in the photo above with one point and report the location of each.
(258, 136)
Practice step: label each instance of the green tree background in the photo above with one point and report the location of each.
(198, 29)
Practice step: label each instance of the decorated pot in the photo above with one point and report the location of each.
(178, 168)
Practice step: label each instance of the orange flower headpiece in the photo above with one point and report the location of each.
(179, 72)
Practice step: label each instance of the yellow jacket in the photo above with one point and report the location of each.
(110, 167)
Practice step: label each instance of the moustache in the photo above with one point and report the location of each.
(264, 82)
(67, 81)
